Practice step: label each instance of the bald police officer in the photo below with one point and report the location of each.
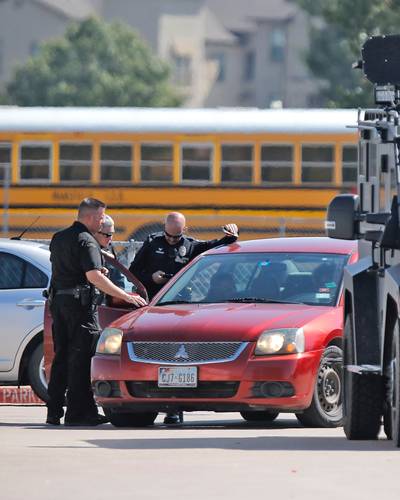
(164, 254)
(77, 274)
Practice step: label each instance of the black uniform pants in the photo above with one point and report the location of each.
(75, 333)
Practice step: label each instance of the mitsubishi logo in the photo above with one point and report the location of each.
(181, 353)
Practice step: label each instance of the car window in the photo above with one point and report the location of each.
(18, 273)
(312, 278)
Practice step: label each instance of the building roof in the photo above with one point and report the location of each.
(215, 31)
(240, 15)
(72, 9)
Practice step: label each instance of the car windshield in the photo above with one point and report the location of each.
(311, 278)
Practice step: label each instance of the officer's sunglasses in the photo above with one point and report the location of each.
(173, 236)
(107, 235)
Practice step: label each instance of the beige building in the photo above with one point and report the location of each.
(222, 52)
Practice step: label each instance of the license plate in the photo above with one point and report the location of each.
(177, 376)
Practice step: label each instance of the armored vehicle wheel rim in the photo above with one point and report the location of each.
(329, 389)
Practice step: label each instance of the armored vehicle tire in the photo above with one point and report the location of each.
(259, 416)
(362, 396)
(130, 419)
(393, 412)
(326, 406)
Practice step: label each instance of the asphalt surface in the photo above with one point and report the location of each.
(210, 456)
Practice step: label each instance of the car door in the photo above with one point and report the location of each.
(113, 309)
(21, 304)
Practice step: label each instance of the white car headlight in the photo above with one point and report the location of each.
(110, 341)
(280, 341)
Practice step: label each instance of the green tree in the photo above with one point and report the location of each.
(336, 40)
(95, 64)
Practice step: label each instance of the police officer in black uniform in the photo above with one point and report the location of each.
(77, 275)
(164, 254)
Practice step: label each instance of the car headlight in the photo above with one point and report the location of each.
(280, 341)
(110, 341)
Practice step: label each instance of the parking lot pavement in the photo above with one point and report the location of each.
(209, 456)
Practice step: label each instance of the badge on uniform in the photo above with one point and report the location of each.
(182, 251)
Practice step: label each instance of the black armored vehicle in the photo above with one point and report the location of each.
(371, 365)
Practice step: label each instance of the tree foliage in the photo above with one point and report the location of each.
(337, 40)
(95, 64)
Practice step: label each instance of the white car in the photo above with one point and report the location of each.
(24, 274)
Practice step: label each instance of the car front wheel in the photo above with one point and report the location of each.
(326, 406)
(130, 419)
(259, 416)
(36, 373)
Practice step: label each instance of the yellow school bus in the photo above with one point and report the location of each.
(260, 168)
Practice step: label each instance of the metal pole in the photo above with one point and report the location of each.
(6, 198)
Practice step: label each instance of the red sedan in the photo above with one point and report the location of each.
(253, 327)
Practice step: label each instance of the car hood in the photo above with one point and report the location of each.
(205, 322)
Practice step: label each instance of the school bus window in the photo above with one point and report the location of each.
(276, 163)
(156, 162)
(116, 161)
(197, 162)
(237, 163)
(35, 162)
(349, 164)
(5, 162)
(317, 163)
(75, 162)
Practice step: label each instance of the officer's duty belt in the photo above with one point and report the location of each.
(68, 291)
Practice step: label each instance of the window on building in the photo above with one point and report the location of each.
(277, 45)
(349, 164)
(196, 161)
(34, 48)
(249, 66)
(236, 163)
(35, 161)
(5, 162)
(220, 60)
(75, 162)
(182, 70)
(317, 163)
(1, 56)
(116, 162)
(276, 163)
(156, 162)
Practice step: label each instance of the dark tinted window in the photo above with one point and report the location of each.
(17, 273)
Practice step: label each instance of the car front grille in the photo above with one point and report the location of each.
(210, 390)
(184, 353)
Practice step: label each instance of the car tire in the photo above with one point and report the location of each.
(326, 406)
(259, 416)
(130, 419)
(36, 373)
(362, 396)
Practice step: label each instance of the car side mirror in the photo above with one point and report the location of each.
(343, 216)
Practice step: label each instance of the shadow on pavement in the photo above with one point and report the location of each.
(261, 443)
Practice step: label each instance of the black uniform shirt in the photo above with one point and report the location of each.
(73, 252)
(157, 254)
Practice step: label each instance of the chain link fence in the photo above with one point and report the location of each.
(138, 226)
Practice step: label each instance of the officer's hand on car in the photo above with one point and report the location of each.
(136, 300)
(159, 277)
(231, 230)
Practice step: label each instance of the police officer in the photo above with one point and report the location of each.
(104, 237)
(77, 273)
(164, 254)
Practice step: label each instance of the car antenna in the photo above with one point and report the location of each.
(25, 230)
